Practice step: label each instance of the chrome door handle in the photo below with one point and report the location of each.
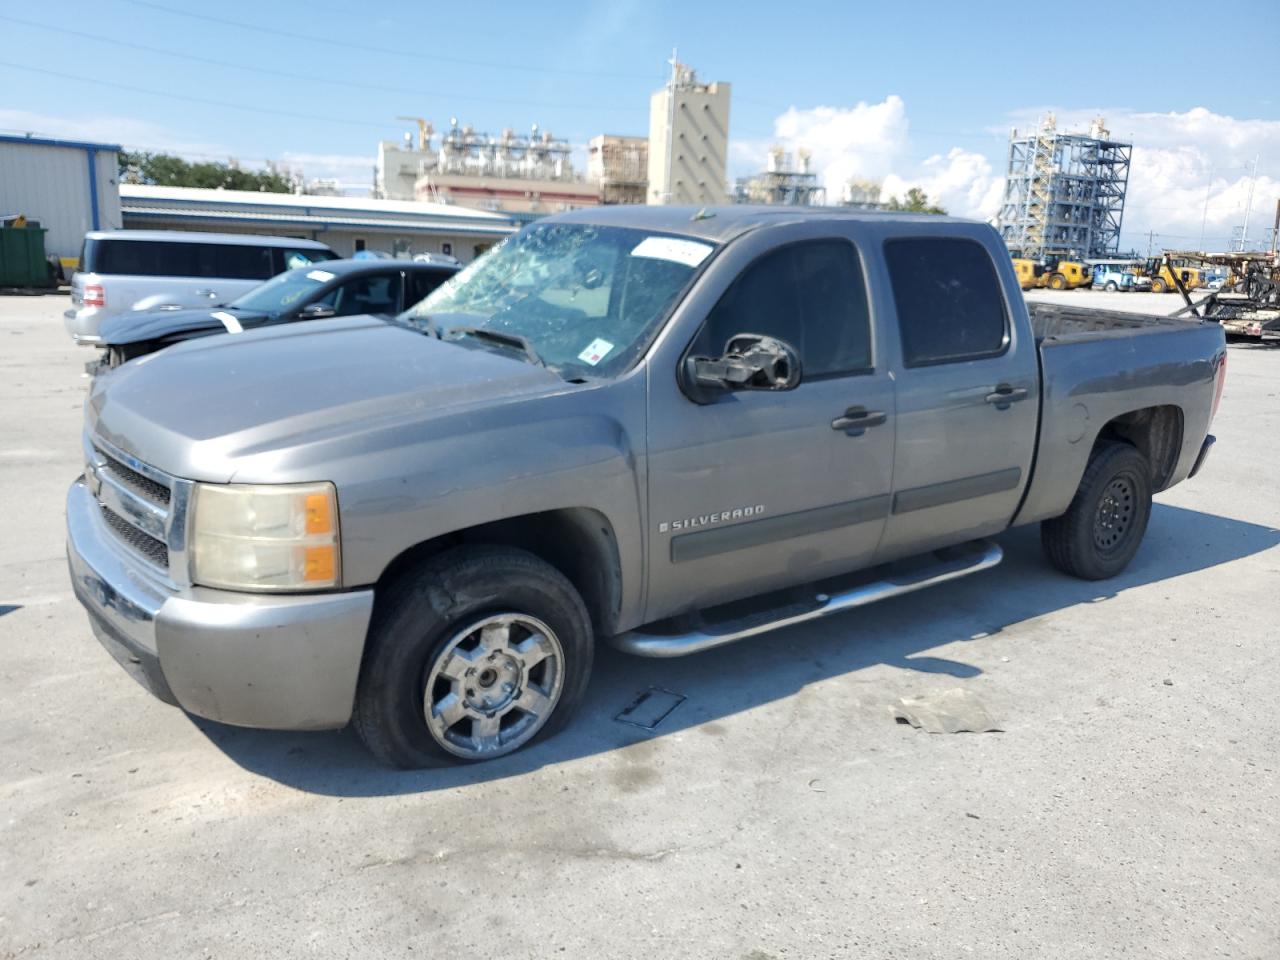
(1003, 395)
(207, 293)
(858, 419)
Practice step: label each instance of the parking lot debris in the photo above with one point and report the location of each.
(650, 708)
(948, 711)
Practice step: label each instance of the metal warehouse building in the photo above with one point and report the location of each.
(69, 186)
(347, 224)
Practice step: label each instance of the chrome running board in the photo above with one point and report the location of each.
(975, 556)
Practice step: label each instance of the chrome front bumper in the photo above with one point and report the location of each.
(271, 661)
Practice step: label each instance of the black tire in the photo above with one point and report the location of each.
(1111, 286)
(420, 614)
(1103, 528)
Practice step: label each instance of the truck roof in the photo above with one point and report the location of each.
(720, 224)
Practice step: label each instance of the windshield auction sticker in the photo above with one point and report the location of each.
(324, 276)
(596, 351)
(689, 252)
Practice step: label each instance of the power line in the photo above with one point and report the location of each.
(348, 44)
(97, 82)
(63, 31)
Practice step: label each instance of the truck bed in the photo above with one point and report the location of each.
(1054, 321)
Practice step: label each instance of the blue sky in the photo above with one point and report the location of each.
(939, 84)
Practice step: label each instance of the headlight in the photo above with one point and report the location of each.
(265, 537)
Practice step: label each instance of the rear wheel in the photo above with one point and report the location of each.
(473, 655)
(1057, 282)
(1157, 285)
(1103, 528)
(1110, 287)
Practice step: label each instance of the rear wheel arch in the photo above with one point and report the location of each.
(1156, 432)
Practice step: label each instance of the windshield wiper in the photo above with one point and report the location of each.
(500, 337)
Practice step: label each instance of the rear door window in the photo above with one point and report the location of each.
(144, 258)
(164, 258)
(948, 297)
(235, 261)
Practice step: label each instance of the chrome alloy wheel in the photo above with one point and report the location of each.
(493, 686)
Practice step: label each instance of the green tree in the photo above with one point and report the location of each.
(917, 201)
(164, 170)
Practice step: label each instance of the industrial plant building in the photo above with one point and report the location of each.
(1064, 193)
(688, 140)
(469, 168)
(781, 182)
(619, 166)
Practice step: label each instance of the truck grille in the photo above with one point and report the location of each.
(155, 492)
(137, 503)
(148, 546)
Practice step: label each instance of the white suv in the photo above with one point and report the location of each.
(172, 269)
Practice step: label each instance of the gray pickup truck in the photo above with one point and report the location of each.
(667, 428)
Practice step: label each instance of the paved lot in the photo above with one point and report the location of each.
(1131, 807)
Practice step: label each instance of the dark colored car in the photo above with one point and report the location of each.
(335, 288)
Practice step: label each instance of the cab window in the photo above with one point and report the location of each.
(948, 298)
(810, 294)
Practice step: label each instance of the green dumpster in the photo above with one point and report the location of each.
(22, 262)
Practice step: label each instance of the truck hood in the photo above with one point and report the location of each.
(210, 408)
(142, 325)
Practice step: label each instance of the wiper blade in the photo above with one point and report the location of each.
(500, 337)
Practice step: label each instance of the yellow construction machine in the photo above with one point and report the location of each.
(1160, 270)
(1055, 274)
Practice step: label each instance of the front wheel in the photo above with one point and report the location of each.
(1057, 282)
(1103, 528)
(1157, 286)
(474, 655)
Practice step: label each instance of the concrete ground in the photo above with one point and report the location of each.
(1131, 807)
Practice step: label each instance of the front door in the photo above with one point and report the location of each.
(967, 396)
(758, 489)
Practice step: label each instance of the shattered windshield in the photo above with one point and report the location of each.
(586, 299)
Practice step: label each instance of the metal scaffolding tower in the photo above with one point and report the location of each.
(780, 183)
(1064, 193)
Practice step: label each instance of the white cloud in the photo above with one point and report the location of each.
(870, 141)
(961, 181)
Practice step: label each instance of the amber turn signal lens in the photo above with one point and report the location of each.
(319, 564)
(319, 519)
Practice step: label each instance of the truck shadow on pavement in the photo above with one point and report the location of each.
(744, 675)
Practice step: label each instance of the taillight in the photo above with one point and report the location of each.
(1217, 389)
(94, 295)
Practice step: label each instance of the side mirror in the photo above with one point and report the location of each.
(750, 362)
(316, 311)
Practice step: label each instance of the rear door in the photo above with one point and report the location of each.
(755, 489)
(967, 392)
